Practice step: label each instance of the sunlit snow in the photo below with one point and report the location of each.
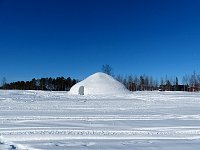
(58, 120)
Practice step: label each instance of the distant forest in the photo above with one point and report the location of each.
(148, 83)
(47, 84)
(133, 83)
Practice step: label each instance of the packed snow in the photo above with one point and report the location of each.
(99, 84)
(38, 120)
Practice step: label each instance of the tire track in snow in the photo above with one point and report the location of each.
(103, 117)
(148, 133)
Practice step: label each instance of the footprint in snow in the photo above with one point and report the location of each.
(13, 147)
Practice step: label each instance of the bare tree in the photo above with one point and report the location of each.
(161, 81)
(155, 84)
(107, 69)
(130, 83)
(151, 83)
(119, 78)
(137, 82)
(3, 82)
(185, 80)
(193, 79)
(146, 82)
(125, 82)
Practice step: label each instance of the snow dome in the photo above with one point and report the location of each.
(99, 84)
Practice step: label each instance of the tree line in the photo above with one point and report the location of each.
(133, 83)
(148, 83)
(50, 84)
(138, 83)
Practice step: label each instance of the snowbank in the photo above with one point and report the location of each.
(99, 84)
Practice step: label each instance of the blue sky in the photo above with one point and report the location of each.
(75, 37)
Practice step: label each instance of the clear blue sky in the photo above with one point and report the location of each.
(75, 38)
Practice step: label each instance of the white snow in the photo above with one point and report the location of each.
(38, 120)
(100, 84)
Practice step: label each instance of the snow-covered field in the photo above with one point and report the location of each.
(58, 121)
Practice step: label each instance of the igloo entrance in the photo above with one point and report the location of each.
(81, 90)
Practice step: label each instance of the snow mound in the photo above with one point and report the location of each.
(99, 84)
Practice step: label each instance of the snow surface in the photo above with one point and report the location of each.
(100, 84)
(37, 120)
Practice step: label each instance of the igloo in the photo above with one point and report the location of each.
(99, 84)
